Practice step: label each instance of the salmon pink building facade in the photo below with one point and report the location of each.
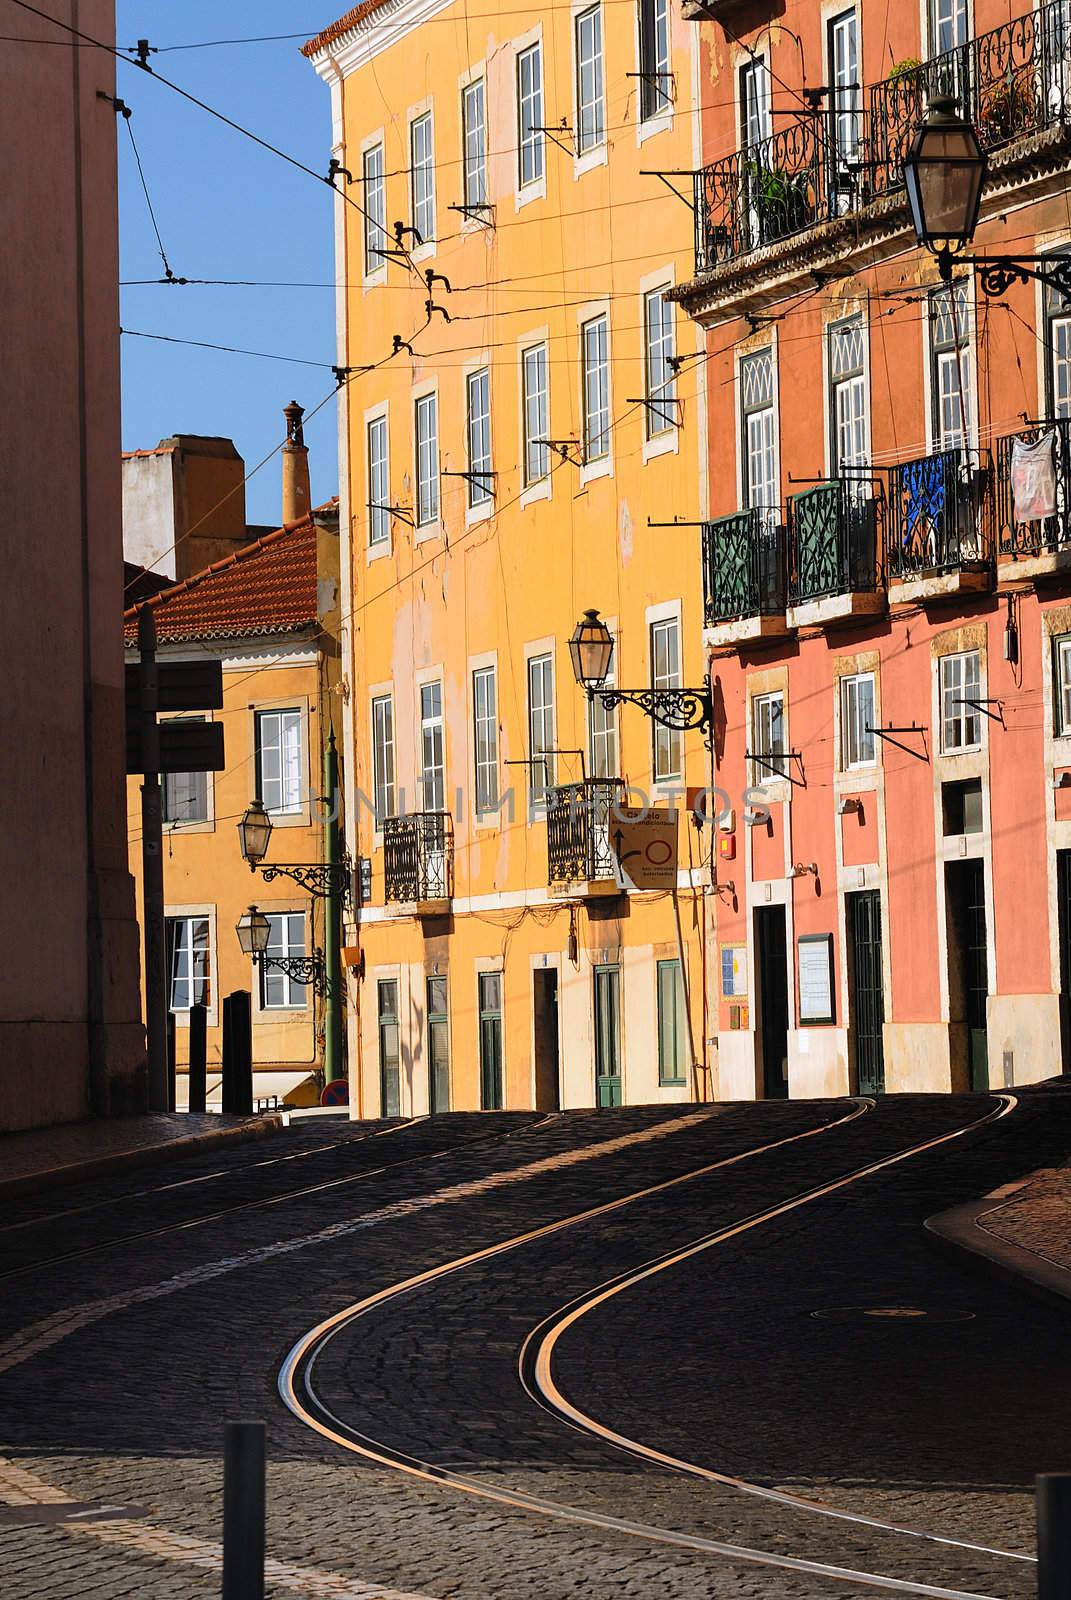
(886, 550)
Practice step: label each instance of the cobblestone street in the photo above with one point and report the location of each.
(447, 1433)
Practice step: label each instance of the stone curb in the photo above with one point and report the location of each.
(152, 1155)
(960, 1231)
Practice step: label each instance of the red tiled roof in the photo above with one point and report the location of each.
(343, 25)
(266, 587)
(164, 448)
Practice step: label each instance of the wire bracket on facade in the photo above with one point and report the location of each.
(552, 135)
(563, 448)
(481, 211)
(120, 107)
(432, 278)
(655, 80)
(890, 734)
(403, 513)
(770, 765)
(430, 308)
(401, 344)
(656, 408)
(141, 52)
(983, 706)
(477, 479)
(673, 172)
(336, 169)
(678, 522)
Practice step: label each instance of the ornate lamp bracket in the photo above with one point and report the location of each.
(315, 878)
(679, 709)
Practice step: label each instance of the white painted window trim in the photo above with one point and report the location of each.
(425, 107)
(420, 391)
(483, 821)
(604, 466)
(374, 280)
(382, 547)
(668, 441)
(543, 488)
(423, 677)
(845, 765)
(599, 154)
(649, 127)
(487, 508)
(207, 910)
(266, 1016)
(524, 194)
(465, 81)
(301, 818)
(663, 611)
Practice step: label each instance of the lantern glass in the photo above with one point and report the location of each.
(253, 931)
(591, 649)
(944, 172)
(254, 832)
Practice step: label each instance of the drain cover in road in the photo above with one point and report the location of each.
(885, 1314)
(56, 1512)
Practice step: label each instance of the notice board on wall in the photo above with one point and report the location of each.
(815, 958)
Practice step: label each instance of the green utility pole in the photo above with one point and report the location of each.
(333, 1063)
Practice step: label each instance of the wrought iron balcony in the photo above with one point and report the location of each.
(743, 567)
(934, 524)
(832, 541)
(579, 817)
(418, 858)
(1032, 490)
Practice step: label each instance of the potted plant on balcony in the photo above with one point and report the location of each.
(780, 199)
(1006, 110)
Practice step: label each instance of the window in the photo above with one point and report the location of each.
(846, 90)
(1057, 354)
(278, 760)
(758, 456)
(478, 410)
(857, 720)
(755, 119)
(485, 738)
(847, 396)
(536, 413)
(950, 375)
(948, 25)
(490, 1000)
(595, 377)
(474, 136)
(590, 112)
(961, 807)
(383, 756)
(656, 80)
(666, 674)
(390, 1094)
(438, 1045)
(189, 962)
(661, 380)
(286, 937)
(769, 752)
(375, 210)
(185, 794)
(602, 731)
(378, 482)
(422, 177)
(432, 763)
(426, 431)
(674, 1052)
(530, 116)
(540, 726)
(1061, 650)
(961, 682)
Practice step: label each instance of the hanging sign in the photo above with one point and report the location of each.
(644, 844)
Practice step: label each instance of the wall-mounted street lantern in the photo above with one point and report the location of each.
(253, 932)
(320, 879)
(944, 172)
(591, 649)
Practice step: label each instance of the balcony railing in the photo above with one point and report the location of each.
(1032, 489)
(743, 567)
(832, 541)
(934, 525)
(579, 819)
(418, 857)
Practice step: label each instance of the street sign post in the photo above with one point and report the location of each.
(644, 844)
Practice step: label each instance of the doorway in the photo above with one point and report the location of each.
(490, 1041)
(438, 1045)
(772, 959)
(608, 1036)
(390, 1097)
(968, 965)
(867, 990)
(545, 1027)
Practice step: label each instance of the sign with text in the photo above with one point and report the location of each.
(816, 977)
(644, 844)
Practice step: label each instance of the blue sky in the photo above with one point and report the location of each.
(227, 209)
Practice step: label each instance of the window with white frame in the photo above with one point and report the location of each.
(529, 116)
(758, 435)
(536, 407)
(847, 396)
(474, 140)
(961, 690)
(422, 176)
(432, 748)
(950, 371)
(857, 747)
(602, 730)
(286, 939)
(1058, 351)
(383, 756)
(540, 726)
(185, 794)
(769, 747)
(426, 435)
(590, 109)
(666, 674)
(656, 81)
(378, 482)
(375, 209)
(948, 26)
(485, 738)
(189, 962)
(1061, 699)
(660, 352)
(846, 91)
(756, 122)
(595, 381)
(277, 742)
(478, 422)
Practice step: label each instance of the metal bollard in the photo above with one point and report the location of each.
(198, 1072)
(238, 1054)
(1054, 1535)
(171, 1061)
(244, 1453)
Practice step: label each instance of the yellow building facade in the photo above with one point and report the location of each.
(511, 465)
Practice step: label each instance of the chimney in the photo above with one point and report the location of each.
(297, 496)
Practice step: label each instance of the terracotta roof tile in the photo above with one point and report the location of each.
(267, 587)
(343, 25)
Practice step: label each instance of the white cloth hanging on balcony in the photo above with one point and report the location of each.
(1033, 478)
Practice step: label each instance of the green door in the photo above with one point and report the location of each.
(607, 1036)
(977, 976)
(390, 1097)
(491, 1041)
(438, 1046)
(868, 1002)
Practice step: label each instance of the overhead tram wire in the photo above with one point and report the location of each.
(227, 349)
(169, 276)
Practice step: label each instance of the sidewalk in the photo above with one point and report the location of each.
(74, 1151)
(1021, 1230)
